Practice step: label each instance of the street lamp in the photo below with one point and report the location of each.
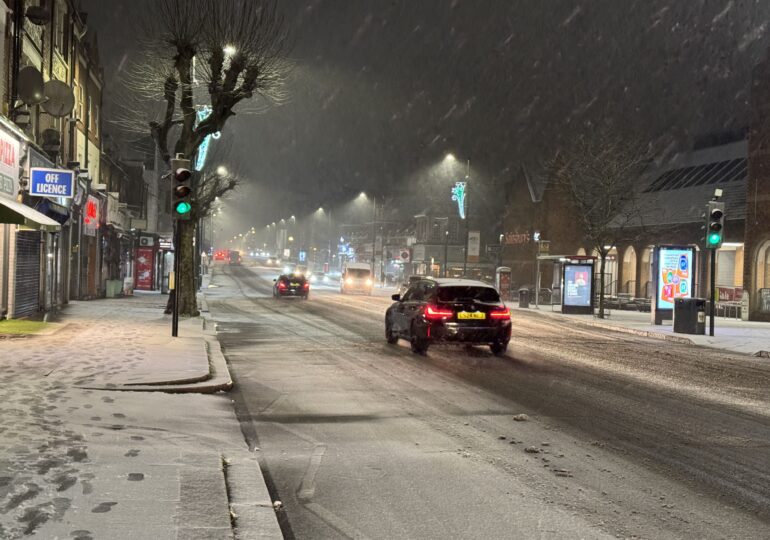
(463, 204)
(374, 228)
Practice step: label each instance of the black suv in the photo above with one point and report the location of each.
(449, 310)
(291, 285)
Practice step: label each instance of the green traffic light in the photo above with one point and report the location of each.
(713, 239)
(183, 207)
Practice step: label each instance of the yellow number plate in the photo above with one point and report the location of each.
(474, 315)
(295, 284)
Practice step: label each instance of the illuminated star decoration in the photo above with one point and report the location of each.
(203, 149)
(458, 194)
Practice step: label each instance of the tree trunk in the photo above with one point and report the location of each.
(188, 305)
(602, 263)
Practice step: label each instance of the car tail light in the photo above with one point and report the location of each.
(500, 314)
(306, 285)
(434, 313)
(281, 285)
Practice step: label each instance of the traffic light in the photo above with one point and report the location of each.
(715, 224)
(181, 189)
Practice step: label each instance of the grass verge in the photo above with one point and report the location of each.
(21, 326)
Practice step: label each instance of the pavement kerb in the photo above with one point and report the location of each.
(251, 507)
(609, 326)
(217, 380)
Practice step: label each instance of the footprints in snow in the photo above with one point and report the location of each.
(103, 507)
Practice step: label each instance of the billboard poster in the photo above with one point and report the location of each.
(577, 285)
(145, 265)
(674, 275)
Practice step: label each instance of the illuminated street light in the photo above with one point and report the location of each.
(450, 157)
(222, 170)
(229, 50)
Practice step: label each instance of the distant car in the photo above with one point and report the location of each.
(220, 255)
(319, 277)
(291, 285)
(449, 310)
(235, 258)
(356, 277)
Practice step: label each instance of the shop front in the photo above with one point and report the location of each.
(23, 235)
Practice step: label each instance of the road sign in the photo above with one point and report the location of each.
(52, 183)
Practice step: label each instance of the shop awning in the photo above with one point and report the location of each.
(15, 213)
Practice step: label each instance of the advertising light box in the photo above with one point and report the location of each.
(675, 272)
(578, 294)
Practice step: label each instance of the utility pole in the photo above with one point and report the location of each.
(374, 233)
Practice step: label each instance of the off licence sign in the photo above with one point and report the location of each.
(51, 183)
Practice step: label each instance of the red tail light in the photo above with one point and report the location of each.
(281, 285)
(306, 285)
(435, 313)
(500, 314)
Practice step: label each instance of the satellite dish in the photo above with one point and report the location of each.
(59, 99)
(38, 15)
(31, 86)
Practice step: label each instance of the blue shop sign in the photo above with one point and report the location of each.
(51, 183)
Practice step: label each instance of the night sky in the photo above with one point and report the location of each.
(382, 90)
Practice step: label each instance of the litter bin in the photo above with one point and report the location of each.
(690, 316)
(523, 298)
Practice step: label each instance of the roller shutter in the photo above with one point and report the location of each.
(27, 296)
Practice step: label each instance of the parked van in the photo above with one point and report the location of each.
(357, 277)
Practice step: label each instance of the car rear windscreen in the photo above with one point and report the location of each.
(358, 272)
(460, 293)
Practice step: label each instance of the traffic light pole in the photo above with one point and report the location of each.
(712, 287)
(175, 291)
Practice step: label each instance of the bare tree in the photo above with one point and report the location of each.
(202, 61)
(599, 175)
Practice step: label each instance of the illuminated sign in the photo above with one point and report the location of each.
(52, 183)
(91, 216)
(91, 213)
(674, 275)
(458, 195)
(577, 284)
(9, 165)
(203, 149)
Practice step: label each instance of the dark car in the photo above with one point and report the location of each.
(291, 285)
(449, 310)
(235, 257)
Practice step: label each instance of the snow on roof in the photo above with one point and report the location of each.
(458, 282)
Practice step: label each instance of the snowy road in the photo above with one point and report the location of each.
(626, 436)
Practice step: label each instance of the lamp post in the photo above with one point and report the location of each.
(465, 207)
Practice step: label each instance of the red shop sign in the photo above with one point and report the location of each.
(92, 211)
